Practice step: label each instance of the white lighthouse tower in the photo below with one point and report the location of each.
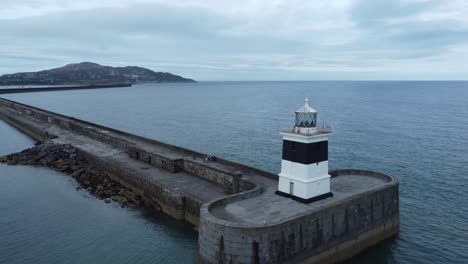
(304, 167)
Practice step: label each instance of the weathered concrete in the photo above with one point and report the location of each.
(241, 219)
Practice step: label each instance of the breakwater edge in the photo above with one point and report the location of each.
(62, 88)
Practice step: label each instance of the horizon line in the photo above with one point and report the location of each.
(363, 80)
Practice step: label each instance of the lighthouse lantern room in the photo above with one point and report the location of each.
(304, 167)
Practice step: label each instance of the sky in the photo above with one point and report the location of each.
(242, 40)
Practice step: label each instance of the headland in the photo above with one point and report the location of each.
(89, 73)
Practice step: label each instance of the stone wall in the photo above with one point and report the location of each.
(96, 134)
(172, 165)
(26, 128)
(154, 194)
(224, 179)
(344, 228)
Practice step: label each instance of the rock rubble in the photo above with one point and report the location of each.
(67, 159)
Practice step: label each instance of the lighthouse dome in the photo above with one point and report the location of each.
(306, 108)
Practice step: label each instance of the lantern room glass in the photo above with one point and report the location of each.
(306, 119)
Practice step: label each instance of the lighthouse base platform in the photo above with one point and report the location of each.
(260, 226)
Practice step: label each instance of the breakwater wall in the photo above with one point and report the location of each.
(62, 88)
(179, 205)
(155, 195)
(122, 139)
(327, 232)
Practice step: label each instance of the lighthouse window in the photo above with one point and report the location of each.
(306, 119)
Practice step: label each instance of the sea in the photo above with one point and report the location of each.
(416, 131)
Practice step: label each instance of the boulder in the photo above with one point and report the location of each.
(100, 191)
(120, 199)
(75, 168)
(11, 162)
(78, 173)
(109, 193)
(64, 168)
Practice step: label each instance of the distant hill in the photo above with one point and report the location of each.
(89, 73)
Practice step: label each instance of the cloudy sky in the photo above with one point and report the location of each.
(242, 40)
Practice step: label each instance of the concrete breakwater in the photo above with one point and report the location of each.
(62, 88)
(240, 218)
(175, 179)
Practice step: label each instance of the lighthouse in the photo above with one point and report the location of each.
(304, 167)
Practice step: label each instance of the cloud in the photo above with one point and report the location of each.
(409, 24)
(254, 39)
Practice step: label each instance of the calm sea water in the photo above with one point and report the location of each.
(416, 131)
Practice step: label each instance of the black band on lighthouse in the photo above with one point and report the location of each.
(305, 153)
